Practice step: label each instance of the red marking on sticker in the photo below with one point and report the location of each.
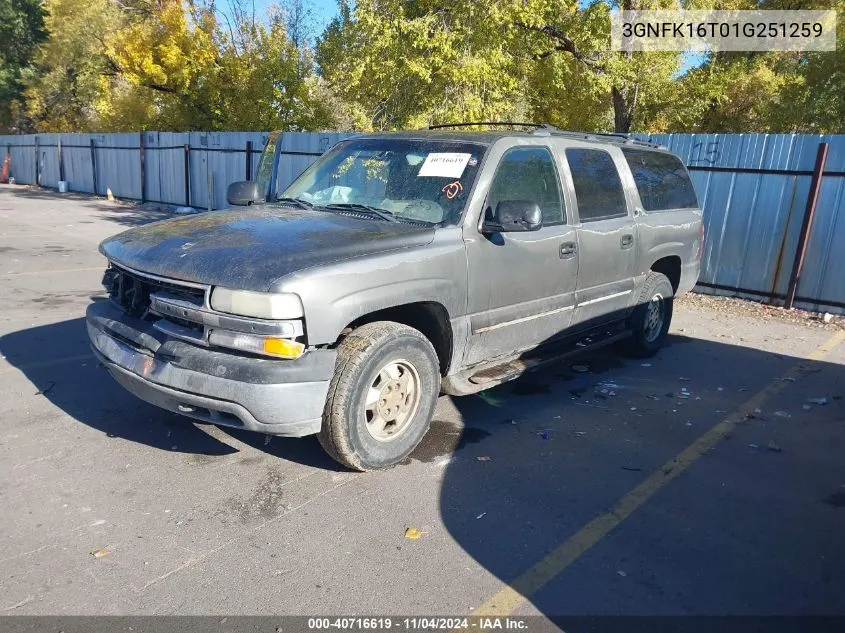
(453, 189)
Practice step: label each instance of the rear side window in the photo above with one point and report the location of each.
(598, 188)
(661, 179)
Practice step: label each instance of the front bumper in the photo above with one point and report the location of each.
(277, 397)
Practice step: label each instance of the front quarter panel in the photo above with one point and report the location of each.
(337, 294)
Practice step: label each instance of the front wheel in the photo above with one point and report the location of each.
(652, 316)
(382, 396)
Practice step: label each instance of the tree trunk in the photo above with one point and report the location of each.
(624, 105)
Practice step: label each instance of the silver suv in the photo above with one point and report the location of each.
(396, 268)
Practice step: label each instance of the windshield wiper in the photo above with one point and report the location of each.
(295, 202)
(365, 208)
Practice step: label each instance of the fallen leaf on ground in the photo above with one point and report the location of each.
(412, 533)
(101, 552)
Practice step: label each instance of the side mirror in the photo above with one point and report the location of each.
(244, 193)
(515, 215)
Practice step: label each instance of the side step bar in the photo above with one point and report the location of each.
(478, 378)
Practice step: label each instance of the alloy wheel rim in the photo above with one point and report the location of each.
(392, 400)
(654, 317)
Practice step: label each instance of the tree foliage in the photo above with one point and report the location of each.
(21, 31)
(119, 65)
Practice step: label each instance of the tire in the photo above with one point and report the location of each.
(648, 328)
(381, 358)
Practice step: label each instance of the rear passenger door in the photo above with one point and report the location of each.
(607, 236)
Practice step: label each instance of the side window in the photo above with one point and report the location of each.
(598, 188)
(528, 173)
(661, 179)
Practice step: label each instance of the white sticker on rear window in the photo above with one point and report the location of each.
(444, 165)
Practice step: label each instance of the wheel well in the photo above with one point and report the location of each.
(671, 267)
(428, 317)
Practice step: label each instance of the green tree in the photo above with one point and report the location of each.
(492, 59)
(21, 31)
(60, 97)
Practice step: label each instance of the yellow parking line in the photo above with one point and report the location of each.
(529, 582)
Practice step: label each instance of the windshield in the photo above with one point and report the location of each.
(412, 180)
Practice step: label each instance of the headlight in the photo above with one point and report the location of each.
(263, 305)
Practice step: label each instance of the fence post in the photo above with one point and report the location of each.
(94, 166)
(807, 224)
(187, 174)
(61, 160)
(248, 160)
(143, 160)
(37, 164)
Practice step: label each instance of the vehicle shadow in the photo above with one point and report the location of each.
(557, 448)
(72, 379)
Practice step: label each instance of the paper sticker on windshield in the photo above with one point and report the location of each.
(444, 165)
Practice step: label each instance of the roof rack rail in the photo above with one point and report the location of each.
(545, 129)
(540, 126)
(610, 136)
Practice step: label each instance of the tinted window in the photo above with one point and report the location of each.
(598, 188)
(661, 179)
(528, 173)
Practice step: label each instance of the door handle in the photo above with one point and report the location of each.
(627, 241)
(568, 250)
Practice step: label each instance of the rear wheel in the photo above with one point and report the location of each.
(652, 316)
(382, 396)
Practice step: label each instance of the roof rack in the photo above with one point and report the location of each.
(545, 129)
(540, 126)
(606, 136)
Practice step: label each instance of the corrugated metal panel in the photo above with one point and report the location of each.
(753, 221)
(76, 149)
(119, 164)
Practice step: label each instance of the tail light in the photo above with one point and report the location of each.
(701, 242)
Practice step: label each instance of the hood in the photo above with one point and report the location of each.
(250, 248)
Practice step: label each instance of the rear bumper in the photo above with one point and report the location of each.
(689, 276)
(277, 397)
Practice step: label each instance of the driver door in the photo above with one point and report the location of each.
(521, 284)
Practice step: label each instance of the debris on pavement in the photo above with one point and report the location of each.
(819, 401)
(100, 553)
(734, 306)
(807, 407)
(46, 390)
(483, 458)
(412, 533)
(621, 573)
(490, 399)
(480, 516)
(772, 446)
(782, 414)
